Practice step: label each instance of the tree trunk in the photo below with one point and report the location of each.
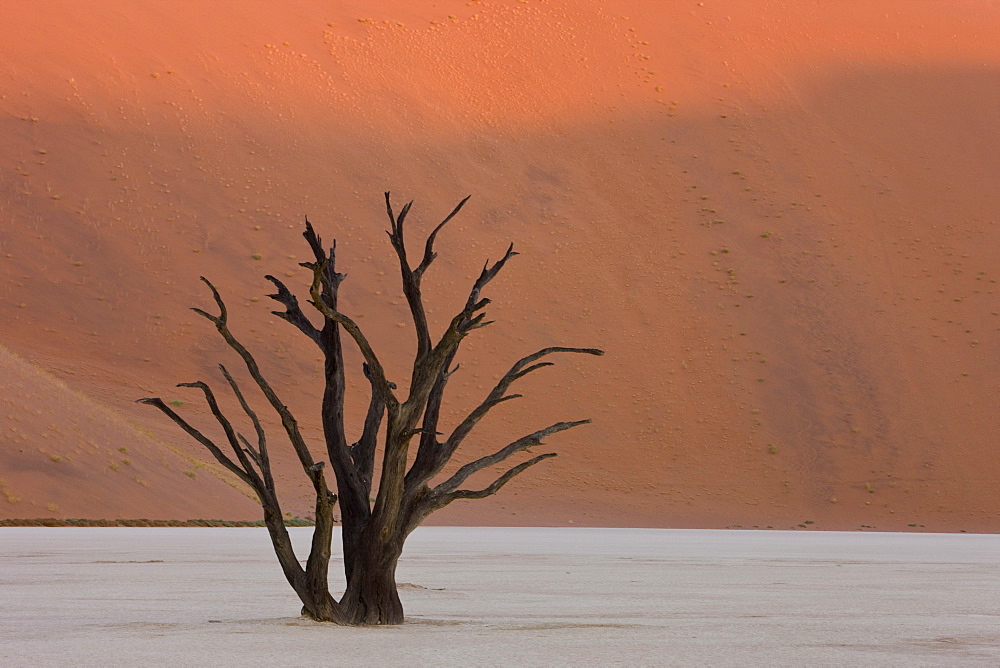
(371, 597)
(322, 607)
(312, 591)
(352, 526)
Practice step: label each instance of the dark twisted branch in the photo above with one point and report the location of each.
(375, 368)
(429, 253)
(466, 321)
(353, 484)
(498, 394)
(227, 428)
(460, 325)
(523, 443)
(430, 375)
(294, 572)
(288, 421)
(499, 482)
(311, 583)
(353, 495)
(297, 577)
(194, 433)
(259, 454)
(411, 281)
(427, 374)
(433, 500)
(293, 312)
(411, 277)
(428, 445)
(331, 280)
(324, 288)
(363, 451)
(250, 450)
(428, 366)
(431, 455)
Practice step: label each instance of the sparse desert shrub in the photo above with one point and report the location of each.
(8, 494)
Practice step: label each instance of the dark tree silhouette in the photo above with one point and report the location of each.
(372, 533)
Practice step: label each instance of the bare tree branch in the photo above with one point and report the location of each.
(223, 311)
(288, 421)
(326, 283)
(363, 451)
(375, 366)
(219, 455)
(489, 273)
(260, 454)
(227, 427)
(331, 279)
(250, 450)
(444, 499)
(410, 279)
(427, 368)
(429, 446)
(432, 456)
(293, 312)
(523, 443)
(429, 253)
(466, 320)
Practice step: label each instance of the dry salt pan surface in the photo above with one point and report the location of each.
(504, 596)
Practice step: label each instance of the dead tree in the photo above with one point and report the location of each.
(372, 533)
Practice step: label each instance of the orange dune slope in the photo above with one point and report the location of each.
(66, 455)
(779, 219)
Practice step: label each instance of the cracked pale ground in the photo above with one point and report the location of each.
(506, 596)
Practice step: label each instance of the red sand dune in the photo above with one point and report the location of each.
(779, 219)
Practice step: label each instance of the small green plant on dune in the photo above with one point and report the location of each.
(8, 494)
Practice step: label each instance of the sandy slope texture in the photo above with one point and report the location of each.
(779, 219)
(65, 454)
(509, 596)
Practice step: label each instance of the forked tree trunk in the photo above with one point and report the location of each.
(372, 534)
